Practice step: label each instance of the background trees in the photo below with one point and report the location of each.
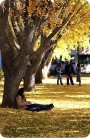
(77, 33)
(21, 24)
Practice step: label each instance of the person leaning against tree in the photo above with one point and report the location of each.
(23, 104)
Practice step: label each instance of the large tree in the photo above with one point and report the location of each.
(21, 24)
(19, 30)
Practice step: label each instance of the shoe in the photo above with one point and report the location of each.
(49, 107)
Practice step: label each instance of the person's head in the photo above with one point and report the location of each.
(20, 92)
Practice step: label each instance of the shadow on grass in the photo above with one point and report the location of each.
(69, 119)
(55, 123)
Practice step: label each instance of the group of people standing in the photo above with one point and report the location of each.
(69, 71)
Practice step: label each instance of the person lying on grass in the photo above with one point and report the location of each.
(27, 105)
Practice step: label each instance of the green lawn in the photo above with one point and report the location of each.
(69, 119)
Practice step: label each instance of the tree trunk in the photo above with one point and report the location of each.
(43, 70)
(13, 76)
(11, 87)
(29, 80)
(10, 91)
(38, 77)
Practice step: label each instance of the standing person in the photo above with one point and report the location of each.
(59, 60)
(27, 105)
(59, 78)
(78, 73)
(69, 70)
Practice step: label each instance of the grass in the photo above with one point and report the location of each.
(69, 119)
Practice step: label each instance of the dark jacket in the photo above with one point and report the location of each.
(69, 69)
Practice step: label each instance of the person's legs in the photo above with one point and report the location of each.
(61, 80)
(79, 80)
(58, 77)
(68, 81)
(79, 83)
(71, 80)
(40, 107)
(57, 81)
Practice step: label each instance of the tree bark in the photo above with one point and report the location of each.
(38, 77)
(29, 80)
(10, 91)
(43, 70)
(13, 76)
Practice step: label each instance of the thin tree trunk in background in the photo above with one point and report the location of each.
(43, 70)
(29, 78)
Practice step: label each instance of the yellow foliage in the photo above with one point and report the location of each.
(76, 28)
(37, 44)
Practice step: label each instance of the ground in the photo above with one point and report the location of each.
(70, 118)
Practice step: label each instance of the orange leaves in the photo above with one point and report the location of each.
(32, 6)
(38, 8)
(53, 14)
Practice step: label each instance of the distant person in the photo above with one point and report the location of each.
(69, 70)
(27, 105)
(78, 74)
(59, 77)
(59, 60)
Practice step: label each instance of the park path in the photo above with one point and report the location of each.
(53, 80)
(70, 102)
